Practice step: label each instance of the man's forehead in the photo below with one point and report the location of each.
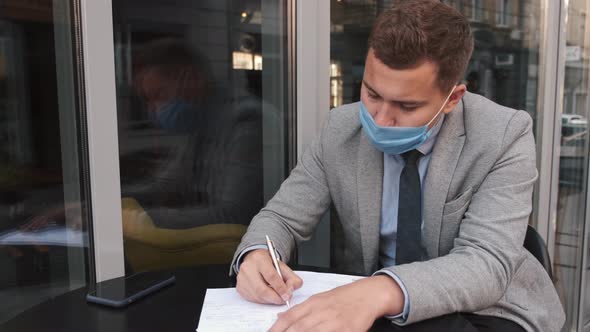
(419, 81)
(400, 89)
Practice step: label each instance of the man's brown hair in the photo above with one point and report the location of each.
(414, 31)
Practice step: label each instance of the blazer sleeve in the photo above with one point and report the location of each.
(488, 249)
(291, 216)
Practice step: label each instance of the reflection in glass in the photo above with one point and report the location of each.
(504, 64)
(335, 85)
(43, 223)
(201, 124)
(503, 68)
(573, 169)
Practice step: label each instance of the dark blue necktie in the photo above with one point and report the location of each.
(409, 215)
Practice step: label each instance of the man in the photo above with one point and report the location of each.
(432, 186)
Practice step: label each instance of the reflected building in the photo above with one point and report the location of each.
(504, 65)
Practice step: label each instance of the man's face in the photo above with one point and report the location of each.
(155, 88)
(159, 86)
(407, 97)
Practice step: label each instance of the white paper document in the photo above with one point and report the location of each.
(225, 310)
(49, 236)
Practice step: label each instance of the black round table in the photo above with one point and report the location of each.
(175, 308)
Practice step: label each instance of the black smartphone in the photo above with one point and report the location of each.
(120, 292)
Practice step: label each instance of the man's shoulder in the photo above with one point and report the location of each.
(482, 115)
(347, 114)
(343, 122)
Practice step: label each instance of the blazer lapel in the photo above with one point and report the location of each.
(370, 187)
(445, 156)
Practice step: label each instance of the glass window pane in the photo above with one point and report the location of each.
(573, 169)
(202, 92)
(504, 65)
(43, 238)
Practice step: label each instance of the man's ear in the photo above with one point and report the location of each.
(455, 98)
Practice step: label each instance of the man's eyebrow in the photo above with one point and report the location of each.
(406, 102)
(369, 87)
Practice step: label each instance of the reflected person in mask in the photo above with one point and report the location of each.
(172, 80)
(203, 164)
(193, 172)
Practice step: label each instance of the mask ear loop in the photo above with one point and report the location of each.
(442, 107)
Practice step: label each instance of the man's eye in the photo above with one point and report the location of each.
(372, 96)
(408, 108)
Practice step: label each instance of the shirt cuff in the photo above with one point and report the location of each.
(245, 251)
(403, 316)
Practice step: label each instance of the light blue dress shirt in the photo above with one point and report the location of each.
(392, 169)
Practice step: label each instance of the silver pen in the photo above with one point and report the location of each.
(275, 261)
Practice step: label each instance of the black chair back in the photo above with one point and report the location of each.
(534, 243)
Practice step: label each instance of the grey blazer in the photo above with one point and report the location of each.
(477, 201)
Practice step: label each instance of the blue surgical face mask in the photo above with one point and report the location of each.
(396, 140)
(177, 116)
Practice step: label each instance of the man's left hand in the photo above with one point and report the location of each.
(353, 307)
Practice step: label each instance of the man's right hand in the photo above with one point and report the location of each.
(258, 280)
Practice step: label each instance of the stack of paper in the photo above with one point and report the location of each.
(224, 309)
